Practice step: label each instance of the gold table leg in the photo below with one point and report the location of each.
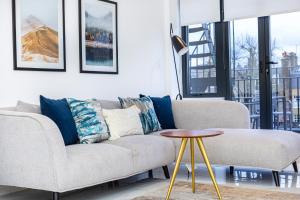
(210, 171)
(180, 155)
(193, 163)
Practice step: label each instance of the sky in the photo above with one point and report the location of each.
(285, 28)
(44, 10)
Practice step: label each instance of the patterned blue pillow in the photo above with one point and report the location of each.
(148, 116)
(90, 124)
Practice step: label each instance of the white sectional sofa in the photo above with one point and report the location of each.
(33, 154)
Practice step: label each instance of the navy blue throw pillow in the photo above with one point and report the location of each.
(59, 112)
(163, 110)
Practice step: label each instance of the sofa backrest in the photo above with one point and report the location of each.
(33, 108)
(204, 114)
(194, 114)
(8, 108)
(107, 104)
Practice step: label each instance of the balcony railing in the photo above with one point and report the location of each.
(285, 96)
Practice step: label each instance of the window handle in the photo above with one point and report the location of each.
(271, 63)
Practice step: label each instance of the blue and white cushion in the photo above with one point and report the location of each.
(148, 116)
(90, 124)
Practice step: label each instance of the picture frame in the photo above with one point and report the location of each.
(98, 36)
(39, 35)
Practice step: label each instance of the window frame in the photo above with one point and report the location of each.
(222, 64)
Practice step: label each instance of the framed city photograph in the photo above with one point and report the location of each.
(98, 36)
(39, 35)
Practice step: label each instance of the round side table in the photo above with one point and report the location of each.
(197, 135)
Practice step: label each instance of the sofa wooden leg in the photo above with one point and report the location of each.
(276, 178)
(231, 170)
(295, 166)
(55, 196)
(166, 172)
(150, 174)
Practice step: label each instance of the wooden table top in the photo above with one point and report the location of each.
(191, 133)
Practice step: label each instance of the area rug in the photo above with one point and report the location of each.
(183, 191)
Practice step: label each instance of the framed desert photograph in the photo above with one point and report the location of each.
(98, 36)
(39, 36)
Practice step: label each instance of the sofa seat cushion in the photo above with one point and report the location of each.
(92, 164)
(149, 151)
(266, 149)
(269, 149)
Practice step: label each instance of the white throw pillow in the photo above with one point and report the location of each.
(123, 122)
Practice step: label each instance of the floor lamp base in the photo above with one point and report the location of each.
(179, 97)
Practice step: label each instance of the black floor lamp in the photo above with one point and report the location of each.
(181, 48)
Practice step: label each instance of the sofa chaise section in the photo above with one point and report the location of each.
(239, 146)
(265, 149)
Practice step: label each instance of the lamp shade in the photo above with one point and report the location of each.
(179, 45)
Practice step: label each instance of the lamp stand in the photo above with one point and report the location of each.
(179, 95)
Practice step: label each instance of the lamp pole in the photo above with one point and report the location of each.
(179, 95)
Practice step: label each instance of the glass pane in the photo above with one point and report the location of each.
(285, 49)
(245, 67)
(201, 59)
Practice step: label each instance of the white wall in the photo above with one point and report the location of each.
(172, 16)
(142, 58)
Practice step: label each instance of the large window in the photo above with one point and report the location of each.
(285, 72)
(279, 70)
(245, 66)
(201, 60)
(260, 62)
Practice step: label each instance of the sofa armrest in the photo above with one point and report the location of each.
(32, 151)
(204, 114)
